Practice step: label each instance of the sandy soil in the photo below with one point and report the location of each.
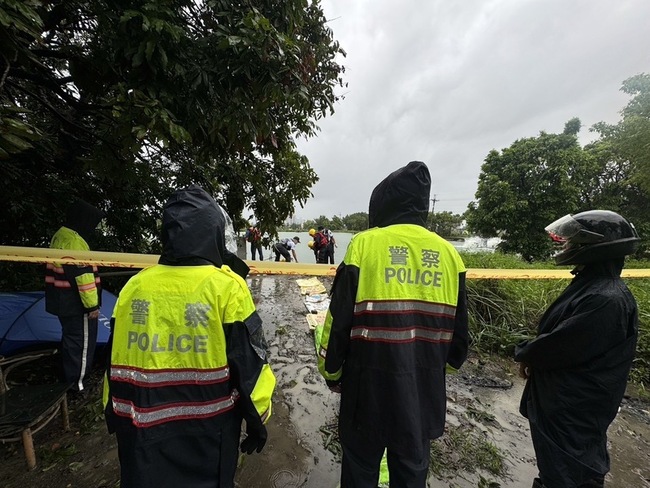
(482, 405)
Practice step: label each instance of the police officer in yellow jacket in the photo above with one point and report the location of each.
(397, 316)
(188, 358)
(74, 293)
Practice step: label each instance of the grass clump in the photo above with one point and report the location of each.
(463, 448)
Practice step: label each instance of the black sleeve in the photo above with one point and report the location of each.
(109, 414)
(460, 341)
(247, 353)
(344, 293)
(596, 324)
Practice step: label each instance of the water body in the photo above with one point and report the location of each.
(306, 255)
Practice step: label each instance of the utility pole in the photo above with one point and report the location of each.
(433, 203)
(433, 212)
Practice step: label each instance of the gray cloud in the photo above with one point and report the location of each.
(446, 82)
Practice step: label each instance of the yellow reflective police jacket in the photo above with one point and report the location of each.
(183, 348)
(71, 290)
(398, 314)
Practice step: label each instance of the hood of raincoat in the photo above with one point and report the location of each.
(402, 197)
(193, 232)
(83, 218)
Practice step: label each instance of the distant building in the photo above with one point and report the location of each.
(293, 220)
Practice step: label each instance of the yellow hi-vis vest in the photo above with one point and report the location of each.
(63, 296)
(402, 269)
(169, 333)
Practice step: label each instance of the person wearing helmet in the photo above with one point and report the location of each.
(577, 367)
(311, 244)
(321, 245)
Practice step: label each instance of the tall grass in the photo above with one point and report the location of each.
(502, 313)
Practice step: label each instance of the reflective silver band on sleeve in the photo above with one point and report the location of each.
(410, 334)
(170, 377)
(147, 417)
(405, 306)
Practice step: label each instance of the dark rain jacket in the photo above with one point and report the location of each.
(74, 290)
(187, 357)
(398, 315)
(579, 366)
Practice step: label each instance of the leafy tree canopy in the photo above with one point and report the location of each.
(525, 187)
(623, 153)
(446, 224)
(121, 102)
(356, 221)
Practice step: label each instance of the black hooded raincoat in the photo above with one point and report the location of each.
(579, 365)
(388, 331)
(184, 430)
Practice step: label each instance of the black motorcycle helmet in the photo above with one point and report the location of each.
(591, 236)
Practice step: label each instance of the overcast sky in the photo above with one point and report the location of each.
(446, 81)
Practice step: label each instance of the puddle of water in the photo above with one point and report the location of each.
(629, 449)
(291, 345)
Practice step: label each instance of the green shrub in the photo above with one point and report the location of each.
(640, 288)
(502, 313)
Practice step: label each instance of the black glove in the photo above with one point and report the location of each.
(255, 440)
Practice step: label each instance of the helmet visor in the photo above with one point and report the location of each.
(230, 236)
(567, 229)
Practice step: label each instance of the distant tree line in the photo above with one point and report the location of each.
(446, 224)
(355, 222)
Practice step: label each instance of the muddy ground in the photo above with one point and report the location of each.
(486, 443)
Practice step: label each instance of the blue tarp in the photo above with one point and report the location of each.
(24, 323)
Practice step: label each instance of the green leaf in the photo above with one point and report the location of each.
(17, 142)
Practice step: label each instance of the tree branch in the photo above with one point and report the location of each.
(6, 70)
(54, 84)
(47, 105)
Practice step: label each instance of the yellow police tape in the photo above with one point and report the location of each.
(138, 261)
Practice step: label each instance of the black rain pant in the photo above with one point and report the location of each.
(78, 341)
(361, 460)
(281, 249)
(193, 458)
(256, 248)
(594, 483)
(322, 256)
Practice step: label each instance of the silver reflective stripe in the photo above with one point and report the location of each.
(147, 417)
(401, 335)
(265, 415)
(170, 377)
(84, 353)
(405, 306)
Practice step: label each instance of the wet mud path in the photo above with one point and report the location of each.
(483, 402)
(484, 427)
